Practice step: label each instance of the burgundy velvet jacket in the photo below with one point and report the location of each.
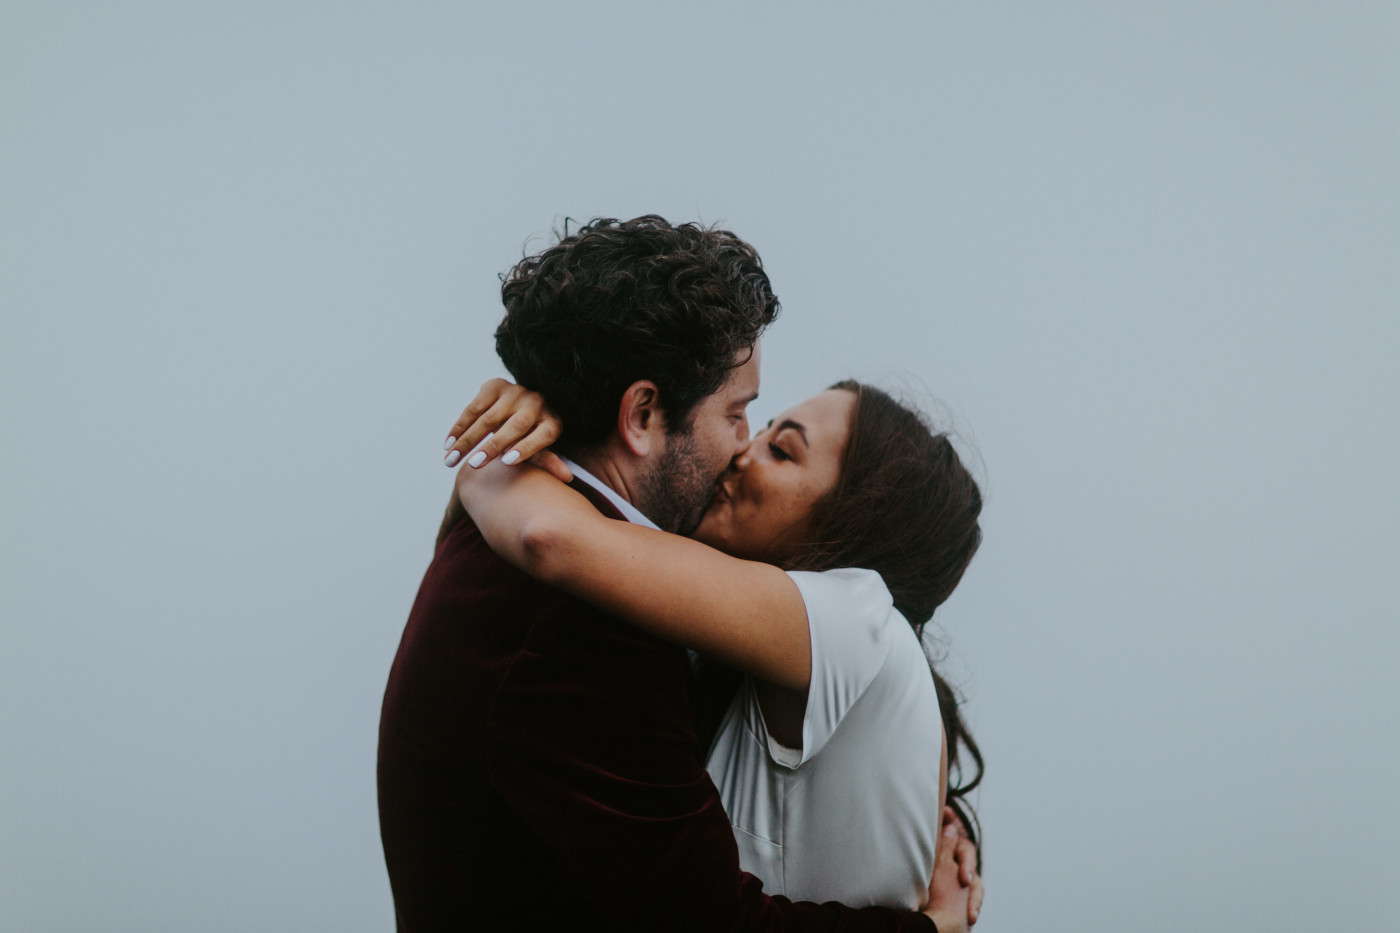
(539, 770)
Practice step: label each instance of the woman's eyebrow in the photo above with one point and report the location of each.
(789, 423)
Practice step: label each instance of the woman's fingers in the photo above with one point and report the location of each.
(481, 416)
(550, 462)
(505, 418)
(491, 390)
(506, 437)
(541, 435)
(502, 409)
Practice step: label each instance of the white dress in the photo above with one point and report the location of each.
(852, 816)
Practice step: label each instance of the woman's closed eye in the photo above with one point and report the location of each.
(777, 452)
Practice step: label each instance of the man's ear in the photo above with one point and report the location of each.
(640, 422)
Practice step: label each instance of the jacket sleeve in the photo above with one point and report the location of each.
(591, 739)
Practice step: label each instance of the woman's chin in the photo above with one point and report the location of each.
(705, 533)
(714, 525)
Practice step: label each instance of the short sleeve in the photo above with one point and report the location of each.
(849, 614)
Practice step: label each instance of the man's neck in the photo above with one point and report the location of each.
(604, 471)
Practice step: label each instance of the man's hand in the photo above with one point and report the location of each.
(506, 417)
(955, 893)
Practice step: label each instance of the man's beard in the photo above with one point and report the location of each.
(676, 493)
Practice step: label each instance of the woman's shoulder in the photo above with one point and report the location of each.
(857, 635)
(845, 596)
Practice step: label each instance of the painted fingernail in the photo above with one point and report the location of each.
(452, 458)
(477, 459)
(511, 457)
(447, 444)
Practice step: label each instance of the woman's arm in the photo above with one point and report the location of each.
(749, 615)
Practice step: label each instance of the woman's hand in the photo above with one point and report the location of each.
(506, 417)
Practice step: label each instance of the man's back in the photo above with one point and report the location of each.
(492, 741)
(454, 848)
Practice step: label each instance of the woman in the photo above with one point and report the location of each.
(827, 755)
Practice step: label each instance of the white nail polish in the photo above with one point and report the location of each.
(447, 444)
(511, 457)
(452, 458)
(477, 459)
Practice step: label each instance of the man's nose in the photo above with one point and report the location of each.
(741, 460)
(741, 436)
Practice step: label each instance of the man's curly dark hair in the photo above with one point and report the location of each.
(619, 301)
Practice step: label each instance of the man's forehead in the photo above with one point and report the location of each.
(741, 386)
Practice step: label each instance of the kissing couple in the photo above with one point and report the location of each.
(673, 680)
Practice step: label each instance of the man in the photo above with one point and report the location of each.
(538, 763)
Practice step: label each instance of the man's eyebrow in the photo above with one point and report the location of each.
(789, 423)
(744, 402)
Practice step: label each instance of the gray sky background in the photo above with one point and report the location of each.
(1146, 256)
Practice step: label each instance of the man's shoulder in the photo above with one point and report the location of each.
(543, 615)
(481, 630)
